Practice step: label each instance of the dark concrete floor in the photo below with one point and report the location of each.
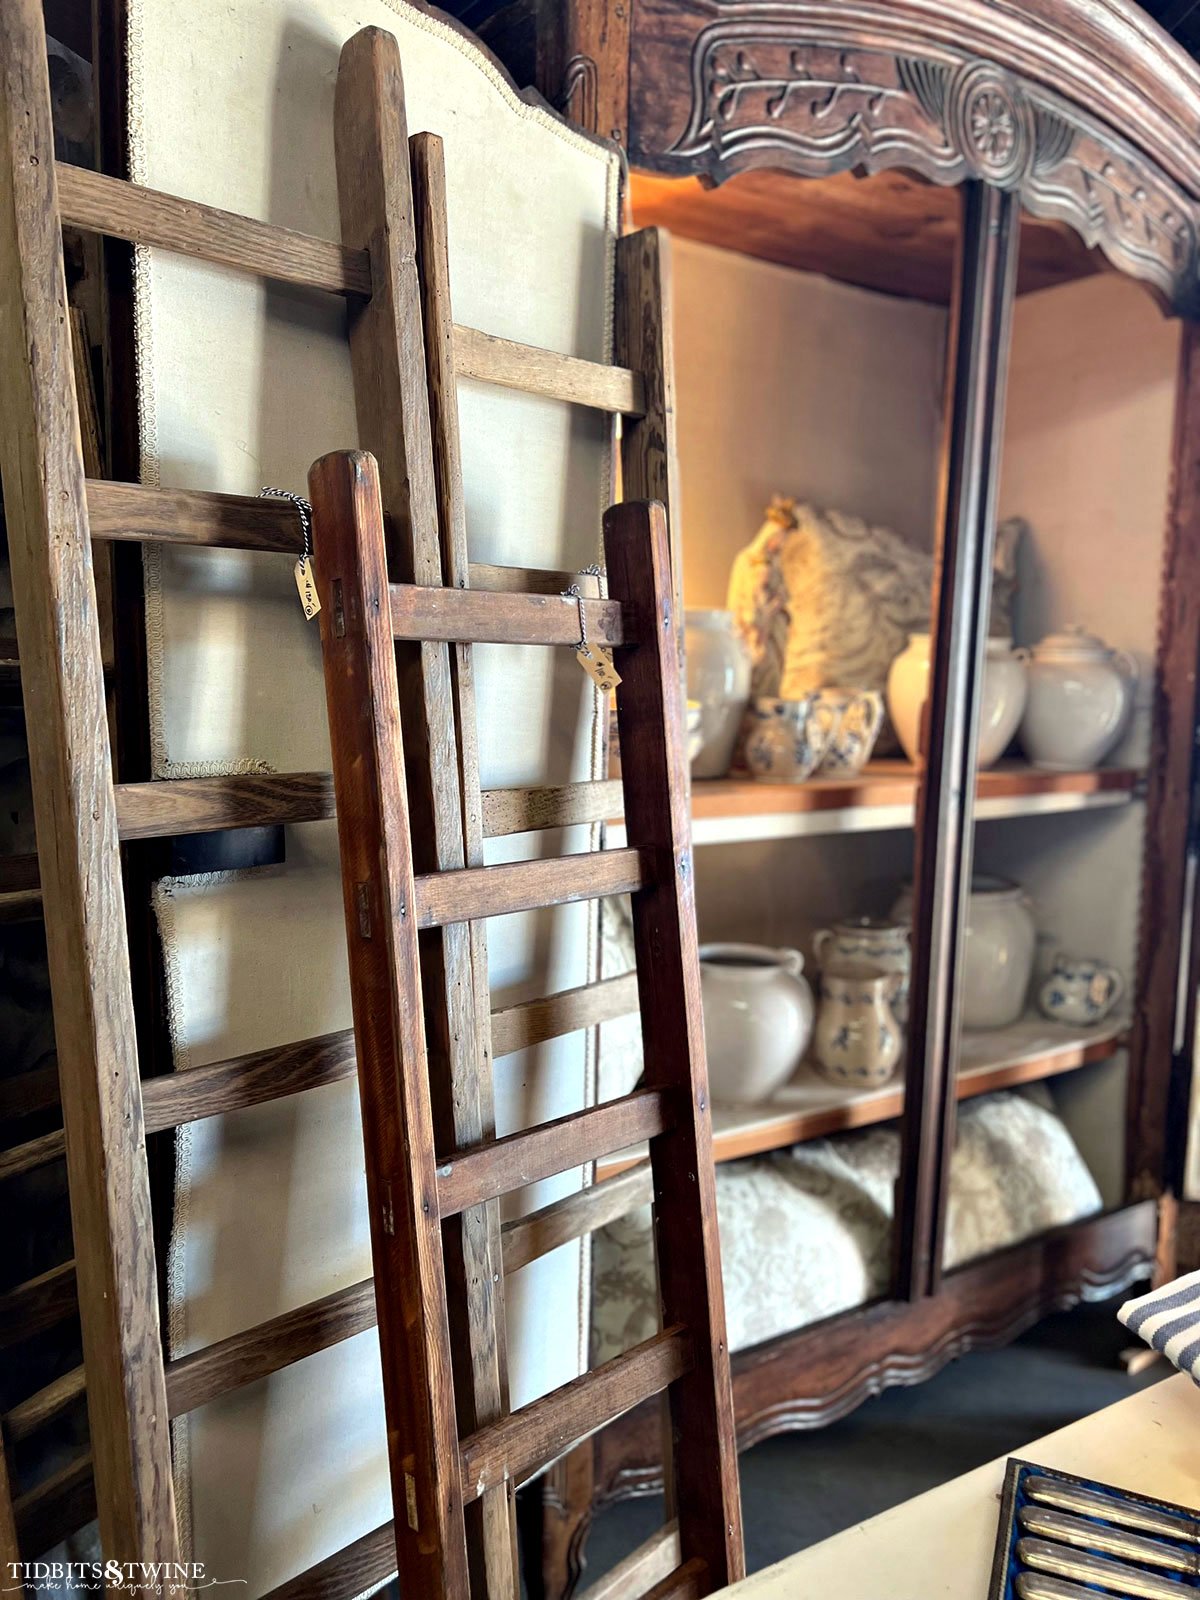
(799, 1488)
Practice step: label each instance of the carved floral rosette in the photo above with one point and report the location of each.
(763, 96)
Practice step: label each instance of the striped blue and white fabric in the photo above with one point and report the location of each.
(1168, 1319)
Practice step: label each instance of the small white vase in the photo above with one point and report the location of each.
(858, 1040)
(718, 676)
(1080, 698)
(998, 951)
(758, 1019)
(1003, 694)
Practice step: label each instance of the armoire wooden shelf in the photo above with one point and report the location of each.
(883, 796)
(811, 1108)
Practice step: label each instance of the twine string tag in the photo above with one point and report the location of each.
(597, 663)
(306, 578)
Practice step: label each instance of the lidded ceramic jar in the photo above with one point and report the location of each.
(718, 676)
(879, 942)
(758, 1019)
(998, 951)
(1002, 702)
(858, 1039)
(1080, 698)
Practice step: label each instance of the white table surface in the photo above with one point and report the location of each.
(939, 1546)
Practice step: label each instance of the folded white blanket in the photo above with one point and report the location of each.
(1168, 1319)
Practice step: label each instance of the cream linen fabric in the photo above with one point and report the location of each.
(241, 385)
(806, 1233)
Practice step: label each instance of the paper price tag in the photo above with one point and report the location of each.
(598, 664)
(306, 583)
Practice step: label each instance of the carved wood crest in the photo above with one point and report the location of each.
(761, 95)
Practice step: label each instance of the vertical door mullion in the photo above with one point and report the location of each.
(977, 366)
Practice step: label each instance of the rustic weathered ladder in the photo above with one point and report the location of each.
(412, 1190)
(53, 512)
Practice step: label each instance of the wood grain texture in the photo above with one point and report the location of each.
(529, 810)
(63, 689)
(142, 512)
(528, 1238)
(358, 1569)
(27, 1416)
(522, 1443)
(526, 885)
(551, 1147)
(245, 1357)
(890, 232)
(168, 807)
(474, 1270)
(32, 1154)
(546, 372)
(532, 1022)
(657, 1558)
(687, 1582)
(146, 216)
(59, 1505)
(945, 825)
(37, 1304)
(467, 616)
(10, 1550)
(643, 339)
(1162, 1053)
(650, 719)
(389, 1016)
(250, 1080)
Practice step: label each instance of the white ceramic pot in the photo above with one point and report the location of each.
(1004, 689)
(758, 1019)
(783, 741)
(858, 1039)
(1080, 990)
(871, 941)
(1080, 697)
(718, 676)
(998, 951)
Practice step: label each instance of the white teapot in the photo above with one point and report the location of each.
(1080, 697)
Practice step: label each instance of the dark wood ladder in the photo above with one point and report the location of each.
(414, 1187)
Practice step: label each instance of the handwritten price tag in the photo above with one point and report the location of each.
(306, 583)
(598, 664)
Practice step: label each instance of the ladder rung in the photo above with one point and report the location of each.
(473, 1176)
(545, 372)
(37, 1304)
(475, 616)
(147, 216)
(60, 1505)
(529, 1238)
(27, 1416)
(688, 1582)
(656, 1558)
(262, 1075)
(32, 1154)
(474, 892)
(517, 1446)
(141, 513)
(531, 810)
(360, 1568)
(532, 1022)
(250, 1080)
(167, 807)
(256, 1352)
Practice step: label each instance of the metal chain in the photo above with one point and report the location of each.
(574, 593)
(301, 505)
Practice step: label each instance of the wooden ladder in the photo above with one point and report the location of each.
(414, 1184)
(53, 513)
